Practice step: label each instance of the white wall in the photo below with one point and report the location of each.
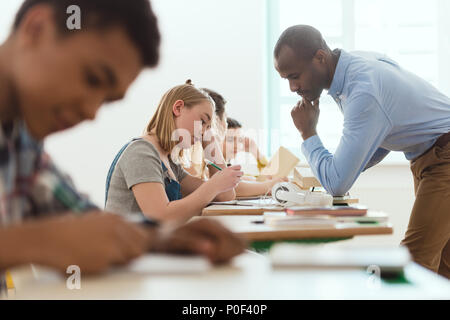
(218, 44)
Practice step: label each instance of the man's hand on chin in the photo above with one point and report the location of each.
(305, 116)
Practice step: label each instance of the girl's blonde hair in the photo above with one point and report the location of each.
(163, 122)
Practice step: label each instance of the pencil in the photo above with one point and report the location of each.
(210, 163)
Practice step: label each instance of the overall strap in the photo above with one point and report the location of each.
(173, 187)
(113, 166)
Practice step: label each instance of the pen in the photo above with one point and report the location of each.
(210, 163)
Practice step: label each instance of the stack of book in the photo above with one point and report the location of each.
(322, 216)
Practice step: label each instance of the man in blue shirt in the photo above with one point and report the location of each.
(386, 108)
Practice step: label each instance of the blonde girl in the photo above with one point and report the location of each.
(146, 176)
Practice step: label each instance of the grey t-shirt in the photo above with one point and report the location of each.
(139, 163)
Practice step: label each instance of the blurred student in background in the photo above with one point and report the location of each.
(235, 142)
(247, 187)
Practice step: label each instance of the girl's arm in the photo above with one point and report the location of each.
(152, 199)
(212, 152)
(190, 184)
(224, 196)
(256, 188)
(245, 188)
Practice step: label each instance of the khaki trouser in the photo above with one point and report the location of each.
(428, 234)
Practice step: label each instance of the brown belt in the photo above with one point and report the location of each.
(443, 140)
(440, 142)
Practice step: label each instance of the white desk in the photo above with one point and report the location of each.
(249, 277)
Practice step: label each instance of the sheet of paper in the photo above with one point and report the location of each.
(231, 202)
(290, 255)
(165, 263)
(262, 202)
(258, 203)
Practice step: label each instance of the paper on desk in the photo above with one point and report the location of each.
(231, 202)
(257, 203)
(387, 258)
(166, 263)
(262, 202)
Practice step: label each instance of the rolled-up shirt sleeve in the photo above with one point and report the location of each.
(365, 127)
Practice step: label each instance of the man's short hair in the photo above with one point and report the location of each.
(134, 16)
(303, 39)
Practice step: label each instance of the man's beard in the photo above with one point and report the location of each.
(314, 95)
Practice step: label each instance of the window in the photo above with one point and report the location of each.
(412, 32)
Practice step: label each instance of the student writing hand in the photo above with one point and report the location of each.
(305, 116)
(226, 179)
(205, 237)
(93, 241)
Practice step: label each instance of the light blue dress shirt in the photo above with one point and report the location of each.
(386, 108)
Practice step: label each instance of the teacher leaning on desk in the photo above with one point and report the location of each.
(385, 108)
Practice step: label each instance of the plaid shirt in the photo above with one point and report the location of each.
(30, 184)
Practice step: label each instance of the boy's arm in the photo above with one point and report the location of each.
(96, 241)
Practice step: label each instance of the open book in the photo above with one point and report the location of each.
(281, 164)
